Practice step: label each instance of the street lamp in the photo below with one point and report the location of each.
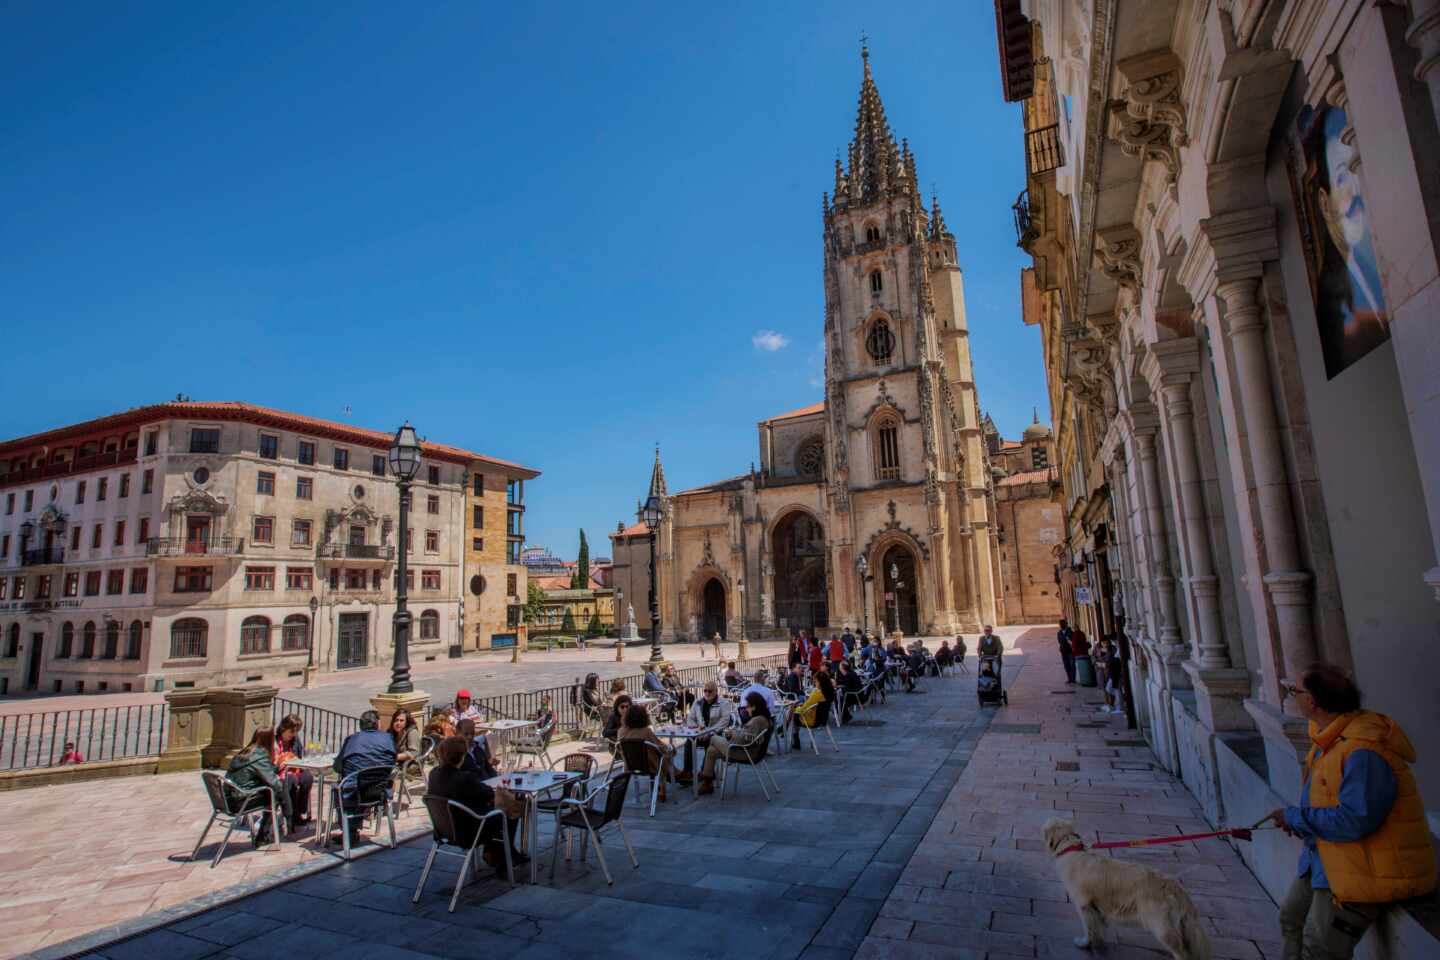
(309, 680)
(619, 630)
(895, 596)
(862, 567)
(744, 644)
(404, 464)
(649, 512)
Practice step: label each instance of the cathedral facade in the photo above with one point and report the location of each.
(892, 467)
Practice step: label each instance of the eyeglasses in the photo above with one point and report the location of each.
(1290, 690)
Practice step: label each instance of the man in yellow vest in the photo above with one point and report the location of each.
(1366, 840)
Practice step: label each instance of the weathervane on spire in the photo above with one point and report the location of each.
(864, 46)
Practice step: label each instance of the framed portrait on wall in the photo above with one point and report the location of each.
(1335, 234)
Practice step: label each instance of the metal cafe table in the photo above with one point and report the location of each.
(530, 784)
(503, 730)
(320, 766)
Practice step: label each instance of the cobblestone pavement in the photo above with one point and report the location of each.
(982, 880)
(802, 876)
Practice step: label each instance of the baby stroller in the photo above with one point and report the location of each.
(988, 688)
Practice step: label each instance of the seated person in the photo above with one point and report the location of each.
(849, 684)
(408, 746)
(611, 730)
(676, 688)
(637, 728)
(792, 682)
(590, 698)
(708, 712)
(369, 747)
(545, 719)
(477, 751)
(255, 767)
(463, 708)
(761, 687)
(450, 781)
(289, 745)
(733, 677)
(808, 714)
(944, 657)
(651, 681)
(722, 743)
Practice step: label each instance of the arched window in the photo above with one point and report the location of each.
(877, 282)
(12, 643)
(254, 635)
(67, 641)
(880, 342)
(872, 233)
(430, 625)
(188, 638)
(887, 449)
(132, 643)
(295, 632)
(87, 640)
(112, 639)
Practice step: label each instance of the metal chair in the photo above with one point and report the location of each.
(581, 763)
(530, 744)
(443, 815)
(637, 755)
(819, 714)
(234, 804)
(370, 787)
(401, 792)
(583, 815)
(753, 756)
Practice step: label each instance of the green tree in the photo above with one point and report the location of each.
(534, 602)
(568, 624)
(580, 579)
(594, 627)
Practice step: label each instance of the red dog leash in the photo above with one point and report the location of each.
(1239, 833)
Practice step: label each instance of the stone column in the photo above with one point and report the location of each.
(1171, 644)
(190, 731)
(1424, 35)
(235, 714)
(1287, 583)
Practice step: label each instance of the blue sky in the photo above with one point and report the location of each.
(548, 232)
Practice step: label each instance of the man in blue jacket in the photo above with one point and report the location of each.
(369, 747)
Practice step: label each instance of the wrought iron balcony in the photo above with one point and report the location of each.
(357, 551)
(1026, 232)
(41, 556)
(187, 546)
(1043, 150)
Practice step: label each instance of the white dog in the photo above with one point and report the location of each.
(1125, 893)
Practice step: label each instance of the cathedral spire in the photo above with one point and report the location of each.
(937, 219)
(657, 477)
(874, 157)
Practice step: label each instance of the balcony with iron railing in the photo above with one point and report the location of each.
(356, 551)
(194, 546)
(1026, 231)
(42, 556)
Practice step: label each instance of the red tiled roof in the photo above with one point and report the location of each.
(802, 412)
(1010, 444)
(1043, 475)
(557, 582)
(634, 530)
(250, 413)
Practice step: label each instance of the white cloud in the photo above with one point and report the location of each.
(769, 341)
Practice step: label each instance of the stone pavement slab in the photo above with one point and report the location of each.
(981, 883)
(803, 875)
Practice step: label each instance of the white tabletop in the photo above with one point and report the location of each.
(670, 730)
(318, 761)
(533, 780)
(500, 726)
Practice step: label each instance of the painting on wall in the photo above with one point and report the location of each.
(1335, 230)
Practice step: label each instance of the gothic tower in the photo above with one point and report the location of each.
(908, 482)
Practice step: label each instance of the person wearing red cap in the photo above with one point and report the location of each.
(464, 708)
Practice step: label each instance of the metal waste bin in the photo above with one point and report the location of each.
(1085, 671)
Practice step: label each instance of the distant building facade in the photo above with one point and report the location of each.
(1029, 524)
(495, 576)
(190, 544)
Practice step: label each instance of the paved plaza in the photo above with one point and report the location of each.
(919, 838)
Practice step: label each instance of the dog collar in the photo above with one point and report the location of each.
(1073, 848)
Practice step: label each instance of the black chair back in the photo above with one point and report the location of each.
(224, 798)
(615, 799)
(372, 785)
(636, 756)
(442, 818)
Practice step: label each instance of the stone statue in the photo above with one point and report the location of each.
(630, 611)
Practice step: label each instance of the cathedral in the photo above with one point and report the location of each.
(876, 507)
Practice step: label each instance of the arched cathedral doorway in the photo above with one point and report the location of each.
(797, 551)
(712, 606)
(901, 606)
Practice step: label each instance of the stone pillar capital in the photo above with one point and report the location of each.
(1242, 241)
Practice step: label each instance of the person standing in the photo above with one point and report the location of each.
(1366, 842)
(1062, 637)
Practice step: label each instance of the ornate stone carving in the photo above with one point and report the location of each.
(1149, 116)
(1117, 256)
(810, 457)
(196, 501)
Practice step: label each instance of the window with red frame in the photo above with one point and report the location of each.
(299, 578)
(139, 580)
(265, 483)
(259, 578)
(119, 533)
(115, 582)
(92, 583)
(429, 579)
(72, 585)
(263, 530)
(432, 541)
(192, 579)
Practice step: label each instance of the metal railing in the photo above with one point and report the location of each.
(357, 551)
(1043, 150)
(185, 546)
(1025, 230)
(326, 727)
(40, 556)
(108, 458)
(29, 740)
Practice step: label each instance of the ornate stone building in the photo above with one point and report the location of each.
(1232, 210)
(892, 466)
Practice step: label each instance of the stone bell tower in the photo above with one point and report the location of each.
(907, 479)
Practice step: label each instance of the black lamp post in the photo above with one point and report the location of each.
(404, 464)
(650, 513)
(895, 596)
(310, 641)
(862, 567)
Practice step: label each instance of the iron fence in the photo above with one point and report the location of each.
(325, 727)
(31, 740)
